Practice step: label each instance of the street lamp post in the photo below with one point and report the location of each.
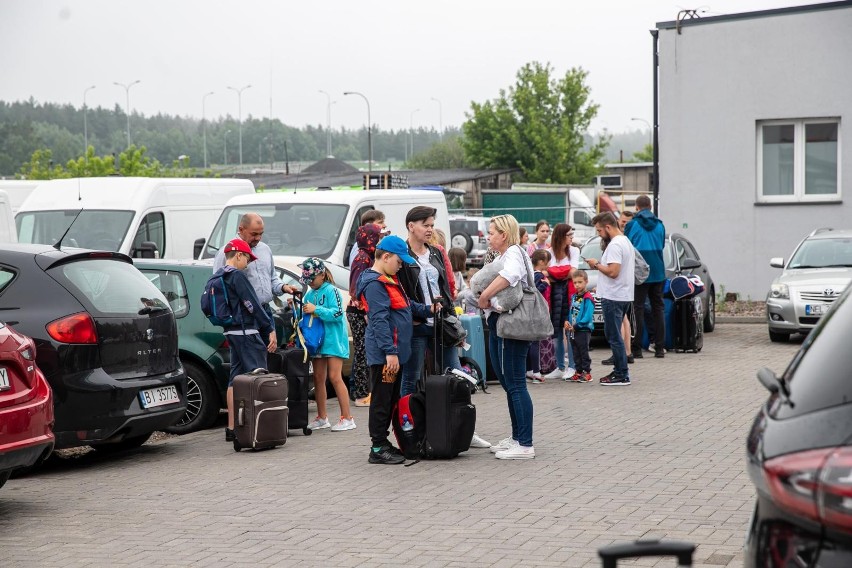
(86, 125)
(650, 130)
(327, 124)
(204, 125)
(440, 119)
(411, 129)
(240, 115)
(369, 131)
(226, 146)
(127, 94)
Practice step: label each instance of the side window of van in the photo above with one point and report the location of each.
(353, 230)
(153, 229)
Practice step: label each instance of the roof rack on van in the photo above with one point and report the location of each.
(820, 230)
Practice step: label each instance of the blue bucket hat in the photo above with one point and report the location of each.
(311, 268)
(397, 246)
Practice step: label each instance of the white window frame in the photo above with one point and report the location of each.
(798, 195)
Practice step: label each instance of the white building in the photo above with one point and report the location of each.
(753, 112)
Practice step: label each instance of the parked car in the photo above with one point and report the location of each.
(799, 455)
(471, 235)
(817, 273)
(680, 257)
(202, 348)
(105, 340)
(26, 405)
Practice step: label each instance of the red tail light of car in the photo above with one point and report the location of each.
(816, 484)
(76, 328)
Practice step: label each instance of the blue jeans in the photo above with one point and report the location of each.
(413, 368)
(613, 314)
(248, 352)
(561, 340)
(509, 356)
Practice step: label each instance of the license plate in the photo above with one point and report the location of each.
(159, 396)
(816, 309)
(598, 318)
(4, 379)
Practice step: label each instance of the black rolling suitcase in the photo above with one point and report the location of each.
(291, 362)
(689, 330)
(260, 410)
(683, 551)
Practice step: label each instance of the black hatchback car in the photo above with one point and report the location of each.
(105, 339)
(799, 454)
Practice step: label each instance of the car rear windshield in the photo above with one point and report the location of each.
(109, 287)
(92, 229)
(292, 229)
(822, 253)
(819, 374)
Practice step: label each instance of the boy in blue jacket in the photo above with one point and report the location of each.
(581, 324)
(387, 339)
(249, 339)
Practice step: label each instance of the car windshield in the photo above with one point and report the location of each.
(92, 229)
(294, 229)
(822, 253)
(592, 249)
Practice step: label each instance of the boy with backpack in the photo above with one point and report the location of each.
(229, 301)
(581, 323)
(387, 339)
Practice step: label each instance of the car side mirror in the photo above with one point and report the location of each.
(147, 249)
(777, 262)
(689, 264)
(197, 247)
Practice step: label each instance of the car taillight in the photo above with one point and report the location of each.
(76, 328)
(816, 484)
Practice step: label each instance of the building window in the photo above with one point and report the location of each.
(798, 160)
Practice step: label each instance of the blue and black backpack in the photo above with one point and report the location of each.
(215, 302)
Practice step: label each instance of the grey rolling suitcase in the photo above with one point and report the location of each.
(260, 410)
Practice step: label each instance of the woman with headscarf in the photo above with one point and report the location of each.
(367, 238)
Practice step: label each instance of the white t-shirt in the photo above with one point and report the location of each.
(514, 263)
(428, 280)
(573, 258)
(619, 251)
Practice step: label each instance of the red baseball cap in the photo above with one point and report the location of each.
(240, 245)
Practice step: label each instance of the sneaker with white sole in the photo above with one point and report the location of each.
(569, 372)
(517, 452)
(477, 442)
(530, 375)
(319, 423)
(344, 424)
(503, 444)
(556, 373)
(537, 379)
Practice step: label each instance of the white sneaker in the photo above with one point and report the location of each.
(503, 444)
(344, 424)
(554, 374)
(569, 372)
(319, 423)
(537, 379)
(516, 452)
(530, 375)
(478, 442)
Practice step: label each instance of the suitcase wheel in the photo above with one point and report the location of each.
(237, 446)
(307, 431)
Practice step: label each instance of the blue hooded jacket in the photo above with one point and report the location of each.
(389, 312)
(648, 235)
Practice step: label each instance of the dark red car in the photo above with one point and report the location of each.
(26, 405)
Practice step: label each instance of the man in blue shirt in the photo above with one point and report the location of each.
(648, 235)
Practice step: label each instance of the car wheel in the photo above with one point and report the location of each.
(777, 337)
(462, 241)
(202, 401)
(125, 444)
(710, 317)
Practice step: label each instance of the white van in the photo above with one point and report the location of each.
(7, 221)
(320, 223)
(18, 190)
(141, 217)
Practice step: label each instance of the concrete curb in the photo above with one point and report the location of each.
(740, 319)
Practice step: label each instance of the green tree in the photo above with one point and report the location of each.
(439, 156)
(538, 126)
(40, 166)
(646, 154)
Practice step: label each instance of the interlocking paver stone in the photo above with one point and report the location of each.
(663, 458)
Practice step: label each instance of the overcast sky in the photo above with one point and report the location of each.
(400, 54)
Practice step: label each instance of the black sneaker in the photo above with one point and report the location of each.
(611, 380)
(630, 359)
(386, 454)
(610, 361)
(637, 354)
(660, 353)
(229, 435)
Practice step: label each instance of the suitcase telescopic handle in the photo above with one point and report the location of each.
(682, 550)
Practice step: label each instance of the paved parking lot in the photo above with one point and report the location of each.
(662, 458)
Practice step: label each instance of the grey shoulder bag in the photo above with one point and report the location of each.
(530, 321)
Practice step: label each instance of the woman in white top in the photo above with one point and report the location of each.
(509, 355)
(565, 258)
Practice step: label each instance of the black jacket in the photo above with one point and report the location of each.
(409, 277)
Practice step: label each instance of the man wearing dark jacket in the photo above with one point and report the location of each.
(648, 234)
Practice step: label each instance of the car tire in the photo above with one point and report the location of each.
(124, 445)
(710, 317)
(778, 337)
(462, 241)
(202, 401)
